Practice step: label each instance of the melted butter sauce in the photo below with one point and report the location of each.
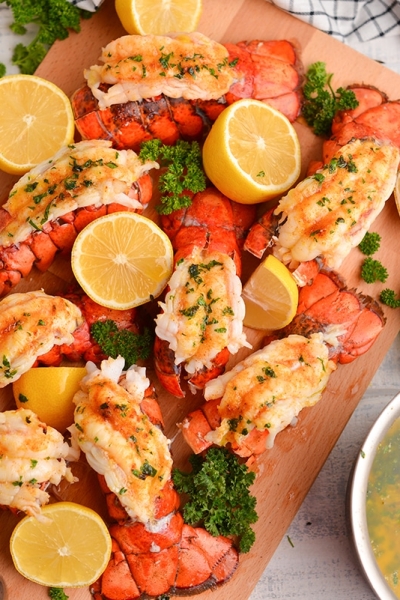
(383, 507)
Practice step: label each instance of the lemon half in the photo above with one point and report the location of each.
(158, 17)
(122, 260)
(252, 152)
(36, 120)
(71, 548)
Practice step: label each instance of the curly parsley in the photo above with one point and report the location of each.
(388, 297)
(122, 342)
(370, 243)
(57, 594)
(182, 172)
(373, 270)
(321, 101)
(53, 18)
(219, 497)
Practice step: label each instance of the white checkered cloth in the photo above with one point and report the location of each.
(369, 26)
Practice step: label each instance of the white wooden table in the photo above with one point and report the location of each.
(315, 560)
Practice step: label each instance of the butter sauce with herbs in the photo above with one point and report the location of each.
(383, 507)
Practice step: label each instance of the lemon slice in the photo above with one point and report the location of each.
(122, 260)
(252, 152)
(158, 17)
(36, 120)
(270, 295)
(48, 392)
(71, 548)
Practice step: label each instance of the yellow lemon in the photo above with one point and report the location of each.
(36, 120)
(270, 295)
(397, 193)
(122, 260)
(252, 152)
(159, 17)
(71, 548)
(48, 392)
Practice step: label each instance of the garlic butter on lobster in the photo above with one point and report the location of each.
(31, 324)
(328, 213)
(265, 392)
(118, 438)
(32, 455)
(48, 206)
(187, 65)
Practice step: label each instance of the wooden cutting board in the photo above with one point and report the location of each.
(285, 473)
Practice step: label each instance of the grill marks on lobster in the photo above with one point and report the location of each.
(48, 206)
(200, 325)
(173, 88)
(153, 551)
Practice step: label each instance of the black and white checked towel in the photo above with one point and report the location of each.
(369, 26)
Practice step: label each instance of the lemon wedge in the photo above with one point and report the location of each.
(158, 17)
(122, 260)
(36, 120)
(48, 392)
(252, 152)
(271, 296)
(71, 548)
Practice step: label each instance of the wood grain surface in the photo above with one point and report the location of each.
(285, 473)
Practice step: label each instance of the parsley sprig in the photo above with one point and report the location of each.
(321, 101)
(53, 18)
(182, 172)
(122, 342)
(372, 270)
(219, 497)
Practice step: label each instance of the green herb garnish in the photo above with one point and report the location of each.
(321, 101)
(53, 18)
(370, 243)
(373, 270)
(122, 342)
(182, 171)
(219, 497)
(388, 297)
(57, 594)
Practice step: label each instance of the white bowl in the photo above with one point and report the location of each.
(356, 500)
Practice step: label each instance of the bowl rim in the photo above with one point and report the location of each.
(357, 493)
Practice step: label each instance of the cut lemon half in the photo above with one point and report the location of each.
(158, 17)
(36, 120)
(271, 296)
(252, 152)
(48, 392)
(122, 260)
(70, 548)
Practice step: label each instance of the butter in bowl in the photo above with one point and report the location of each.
(373, 503)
